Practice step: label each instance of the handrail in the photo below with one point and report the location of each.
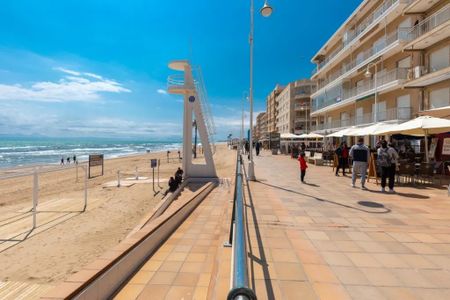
(239, 289)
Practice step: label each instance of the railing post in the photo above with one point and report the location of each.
(85, 188)
(35, 196)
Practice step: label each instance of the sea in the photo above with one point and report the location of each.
(27, 151)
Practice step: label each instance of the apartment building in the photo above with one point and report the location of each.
(293, 107)
(260, 129)
(272, 107)
(388, 62)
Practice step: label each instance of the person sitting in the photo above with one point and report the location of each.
(179, 175)
(173, 185)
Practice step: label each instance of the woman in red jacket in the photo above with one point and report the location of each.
(303, 166)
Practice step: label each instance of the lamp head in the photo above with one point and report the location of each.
(266, 10)
(368, 74)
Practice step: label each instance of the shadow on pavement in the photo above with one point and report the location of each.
(384, 211)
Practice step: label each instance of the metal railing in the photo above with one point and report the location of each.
(433, 21)
(398, 35)
(240, 289)
(353, 35)
(339, 93)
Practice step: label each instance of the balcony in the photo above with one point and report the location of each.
(352, 36)
(301, 106)
(430, 31)
(300, 119)
(391, 114)
(420, 76)
(386, 47)
(386, 80)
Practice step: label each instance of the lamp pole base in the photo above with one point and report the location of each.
(251, 171)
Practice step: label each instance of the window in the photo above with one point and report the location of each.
(381, 112)
(440, 59)
(345, 119)
(404, 63)
(404, 107)
(440, 98)
(359, 115)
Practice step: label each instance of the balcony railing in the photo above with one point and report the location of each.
(300, 119)
(301, 106)
(399, 35)
(396, 113)
(383, 77)
(353, 35)
(433, 21)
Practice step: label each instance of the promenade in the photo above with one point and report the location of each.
(327, 240)
(319, 240)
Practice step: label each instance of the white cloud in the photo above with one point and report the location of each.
(70, 88)
(67, 71)
(161, 91)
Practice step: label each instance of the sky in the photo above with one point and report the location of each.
(98, 68)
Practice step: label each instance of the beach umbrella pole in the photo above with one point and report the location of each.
(426, 147)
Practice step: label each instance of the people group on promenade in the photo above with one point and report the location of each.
(175, 181)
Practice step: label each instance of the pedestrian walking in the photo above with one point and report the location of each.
(303, 166)
(387, 160)
(360, 154)
(342, 154)
(62, 161)
(247, 147)
(257, 147)
(68, 160)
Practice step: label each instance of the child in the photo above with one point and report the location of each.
(303, 166)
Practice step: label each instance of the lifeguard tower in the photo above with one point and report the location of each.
(190, 85)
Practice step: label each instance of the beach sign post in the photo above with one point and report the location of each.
(159, 162)
(95, 160)
(153, 165)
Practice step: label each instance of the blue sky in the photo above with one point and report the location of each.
(99, 68)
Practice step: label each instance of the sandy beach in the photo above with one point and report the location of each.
(69, 239)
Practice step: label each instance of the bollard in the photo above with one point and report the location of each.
(35, 196)
(85, 187)
(118, 178)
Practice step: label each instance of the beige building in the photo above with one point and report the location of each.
(293, 107)
(395, 53)
(271, 108)
(260, 129)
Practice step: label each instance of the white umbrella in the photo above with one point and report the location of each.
(313, 135)
(372, 129)
(289, 136)
(303, 136)
(342, 132)
(421, 126)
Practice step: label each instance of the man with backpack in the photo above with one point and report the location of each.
(387, 161)
(360, 154)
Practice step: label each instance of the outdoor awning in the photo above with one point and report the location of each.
(342, 132)
(420, 126)
(289, 136)
(371, 130)
(313, 135)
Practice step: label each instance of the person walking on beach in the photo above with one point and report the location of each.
(68, 160)
(62, 161)
(257, 147)
(360, 154)
(75, 159)
(303, 166)
(342, 154)
(387, 160)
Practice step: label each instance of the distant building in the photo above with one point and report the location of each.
(398, 50)
(293, 107)
(261, 126)
(271, 108)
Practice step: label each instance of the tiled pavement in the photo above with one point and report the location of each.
(326, 240)
(189, 263)
(320, 240)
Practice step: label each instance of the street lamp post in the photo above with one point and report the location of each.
(265, 11)
(368, 74)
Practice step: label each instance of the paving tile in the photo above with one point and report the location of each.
(294, 290)
(381, 277)
(360, 259)
(142, 277)
(283, 255)
(163, 278)
(350, 275)
(289, 271)
(327, 291)
(131, 291)
(320, 273)
(317, 235)
(337, 259)
(154, 291)
(397, 293)
(365, 292)
(180, 292)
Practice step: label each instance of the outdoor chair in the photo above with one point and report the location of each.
(426, 171)
(407, 171)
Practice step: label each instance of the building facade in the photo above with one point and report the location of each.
(260, 128)
(271, 108)
(293, 107)
(388, 62)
